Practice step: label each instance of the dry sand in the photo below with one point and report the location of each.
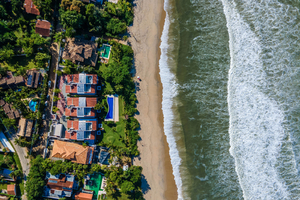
(158, 181)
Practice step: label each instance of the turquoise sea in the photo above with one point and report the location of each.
(230, 71)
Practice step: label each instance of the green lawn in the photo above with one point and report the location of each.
(121, 107)
(115, 135)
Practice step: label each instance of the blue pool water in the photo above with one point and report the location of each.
(110, 101)
(32, 105)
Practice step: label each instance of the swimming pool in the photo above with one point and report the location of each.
(32, 105)
(105, 54)
(110, 114)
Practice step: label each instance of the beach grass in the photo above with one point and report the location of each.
(115, 134)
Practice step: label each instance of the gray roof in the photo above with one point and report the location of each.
(104, 156)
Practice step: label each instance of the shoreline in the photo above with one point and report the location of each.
(154, 150)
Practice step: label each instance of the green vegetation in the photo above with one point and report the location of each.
(110, 19)
(114, 134)
(127, 181)
(17, 36)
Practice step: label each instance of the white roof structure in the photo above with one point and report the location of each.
(5, 142)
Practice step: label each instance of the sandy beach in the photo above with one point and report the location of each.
(158, 181)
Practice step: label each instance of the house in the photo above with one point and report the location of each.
(72, 151)
(25, 127)
(43, 27)
(83, 196)
(5, 174)
(103, 157)
(58, 186)
(81, 107)
(12, 82)
(81, 84)
(11, 112)
(33, 78)
(81, 51)
(56, 130)
(11, 189)
(83, 130)
(30, 8)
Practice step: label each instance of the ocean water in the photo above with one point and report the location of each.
(230, 71)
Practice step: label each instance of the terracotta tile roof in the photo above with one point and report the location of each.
(73, 112)
(31, 8)
(60, 184)
(42, 27)
(75, 124)
(73, 89)
(11, 189)
(90, 102)
(84, 51)
(73, 152)
(83, 196)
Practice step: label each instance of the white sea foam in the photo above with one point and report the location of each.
(169, 92)
(262, 96)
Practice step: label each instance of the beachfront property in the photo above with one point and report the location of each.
(81, 107)
(43, 28)
(81, 84)
(104, 53)
(72, 151)
(80, 51)
(113, 108)
(82, 130)
(94, 184)
(58, 186)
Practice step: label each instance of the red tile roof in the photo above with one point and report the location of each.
(73, 89)
(60, 184)
(73, 135)
(73, 112)
(42, 27)
(31, 8)
(90, 102)
(75, 124)
(11, 189)
(83, 196)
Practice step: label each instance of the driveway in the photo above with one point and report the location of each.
(22, 153)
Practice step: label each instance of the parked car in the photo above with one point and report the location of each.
(46, 103)
(49, 83)
(44, 116)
